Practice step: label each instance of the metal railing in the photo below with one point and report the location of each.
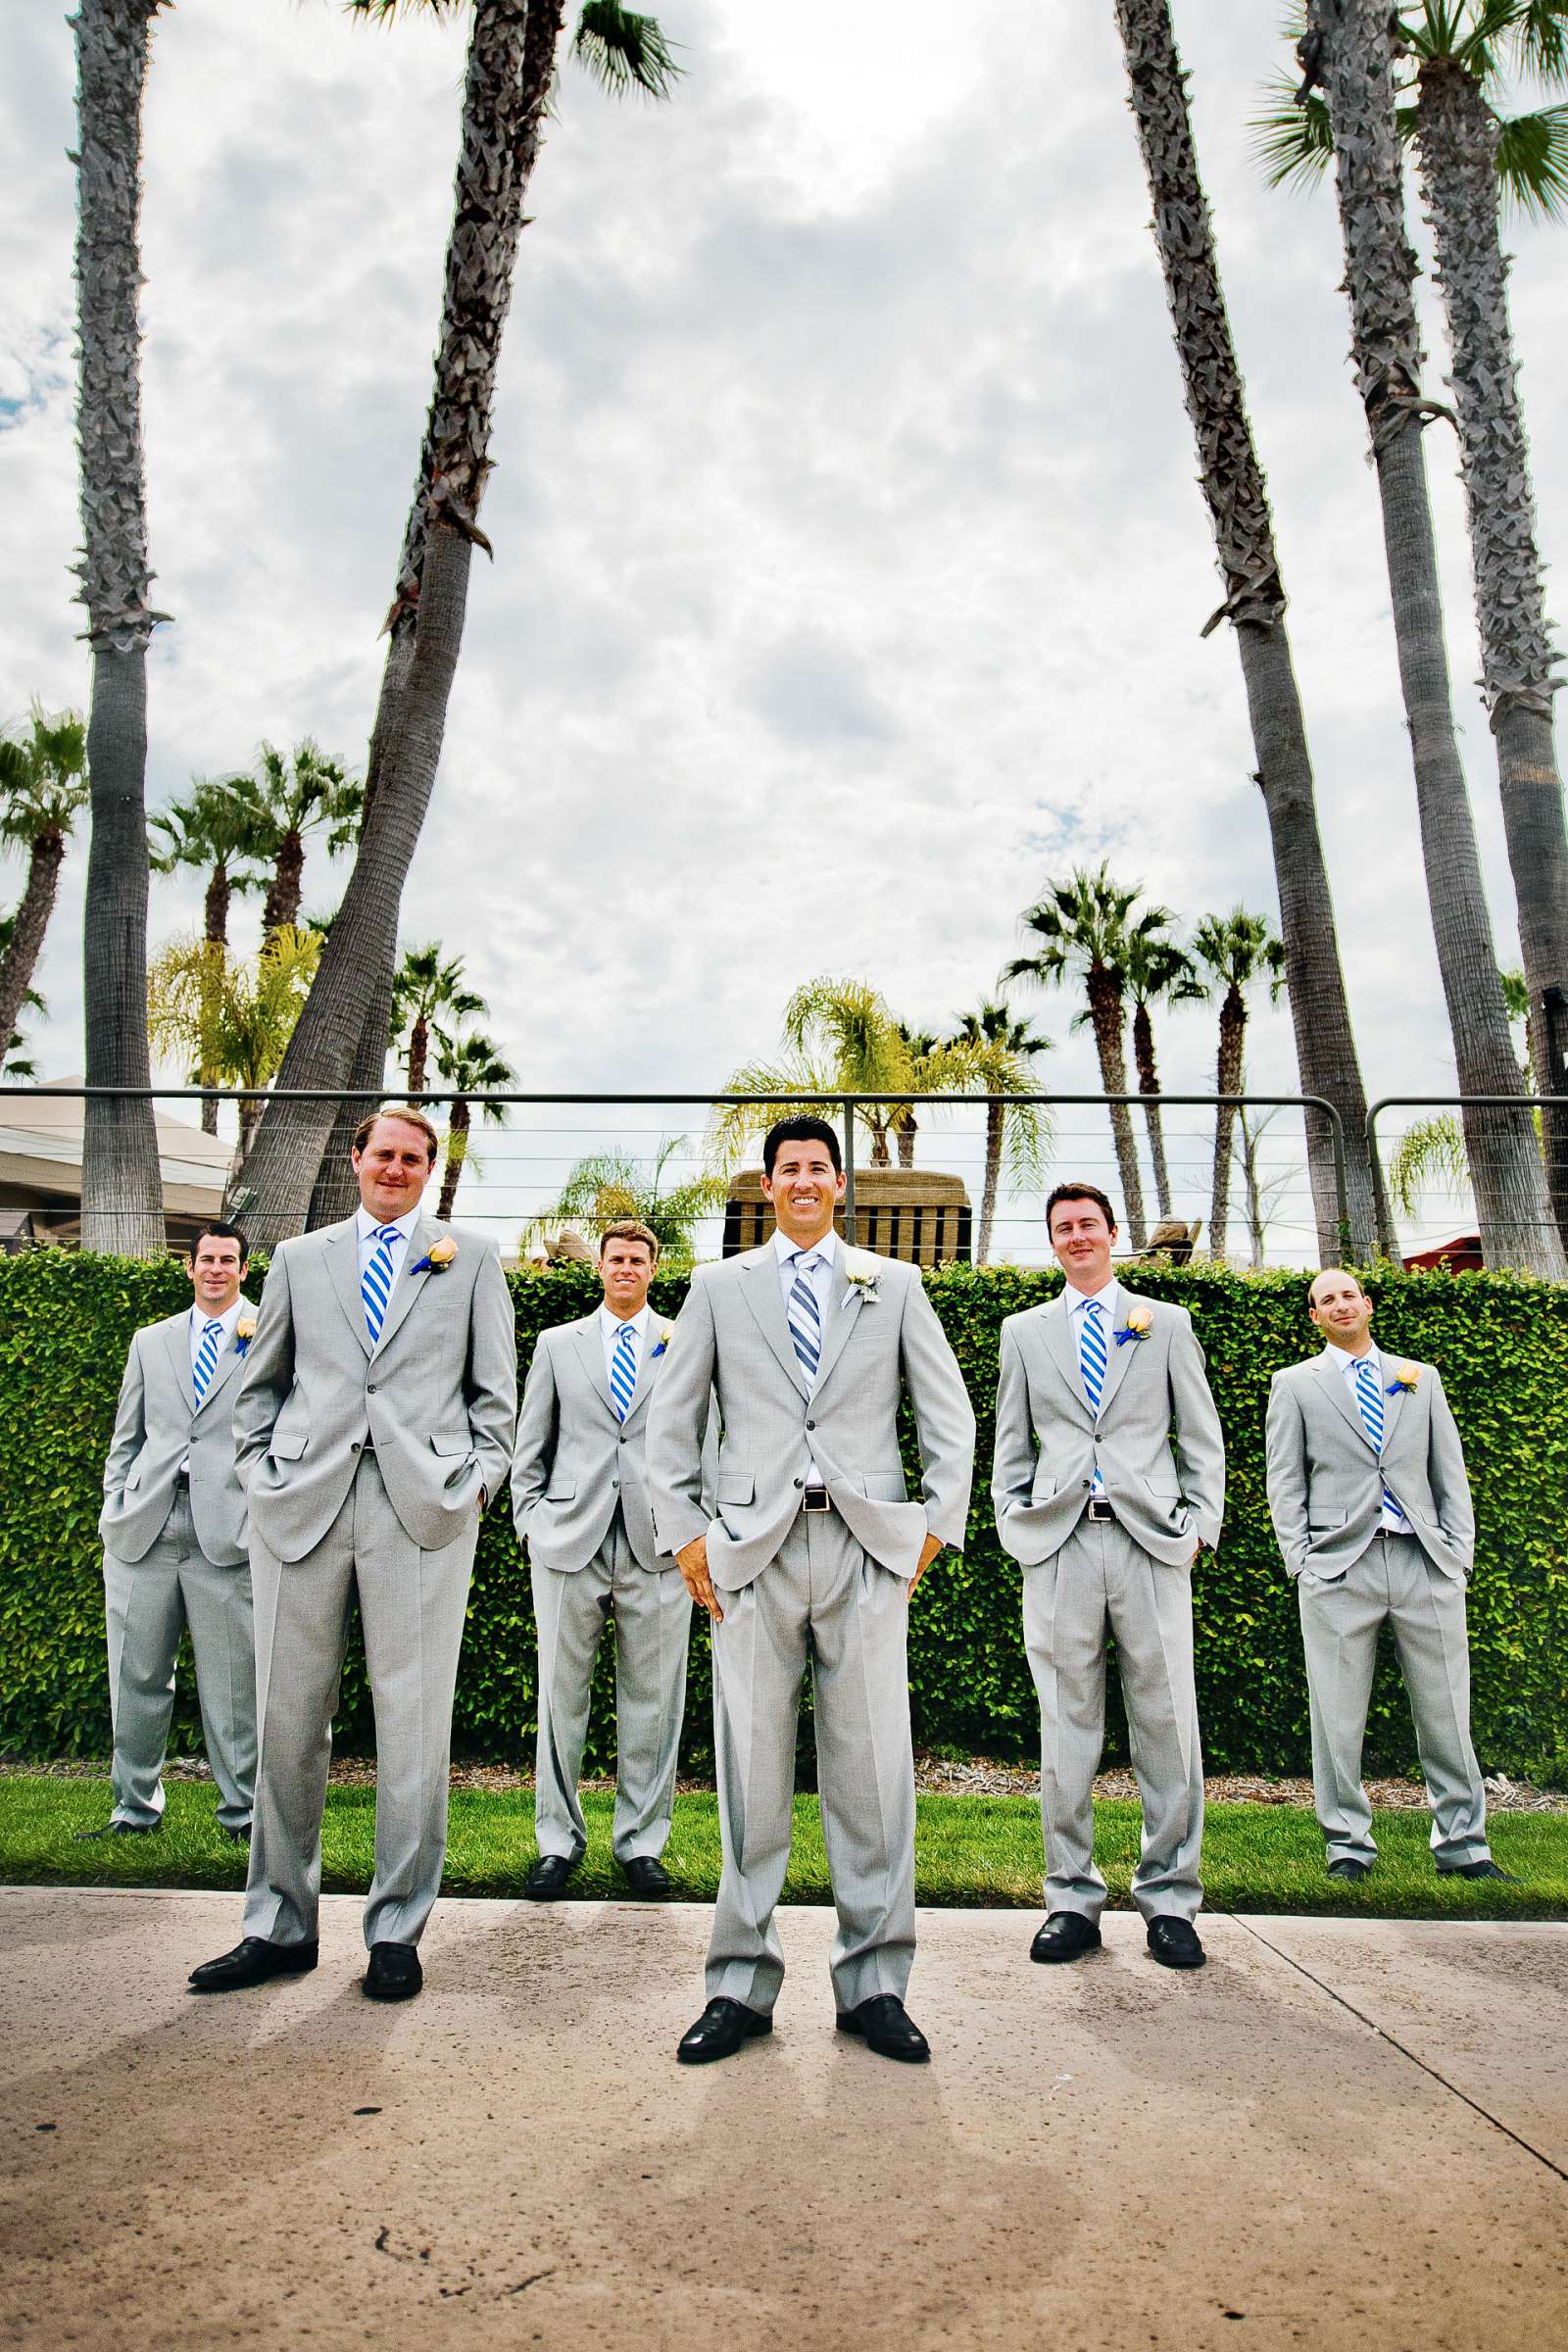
(1388, 1235)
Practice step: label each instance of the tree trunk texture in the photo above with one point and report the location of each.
(336, 1191)
(220, 892)
(996, 1123)
(510, 67)
(1148, 1088)
(419, 1055)
(121, 1189)
(457, 1153)
(1456, 142)
(281, 906)
(1237, 497)
(1347, 47)
(907, 1128)
(32, 922)
(1228, 1069)
(1105, 1018)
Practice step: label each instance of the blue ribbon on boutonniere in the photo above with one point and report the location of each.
(1135, 1326)
(244, 1333)
(664, 1339)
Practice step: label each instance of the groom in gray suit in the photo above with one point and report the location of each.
(174, 1535)
(1371, 1509)
(809, 1560)
(373, 1423)
(1109, 1478)
(580, 1501)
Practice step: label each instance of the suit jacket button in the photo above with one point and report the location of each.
(799, 1481)
(810, 1425)
(614, 1481)
(369, 1388)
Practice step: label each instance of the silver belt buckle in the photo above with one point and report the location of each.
(1100, 1512)
(817, 1498)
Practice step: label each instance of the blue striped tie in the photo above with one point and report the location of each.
(1369, 1397)
(1092, 1365)
(804, 1315)
(623, 1370)
(206, 1359)
(375, 1283)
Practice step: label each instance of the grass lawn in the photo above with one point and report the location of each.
(970, 1850)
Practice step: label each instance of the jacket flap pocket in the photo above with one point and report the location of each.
(288, 1445)
(560, 1490)
(1321, 1521)
(1165, 1488)
(135, 1480)
(736, 1486)
(1043, 1488)
(452, 1440)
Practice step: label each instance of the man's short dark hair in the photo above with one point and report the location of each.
(1080, 1192)
(219, 1231)
(803, 1129)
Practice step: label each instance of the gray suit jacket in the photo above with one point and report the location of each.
(437, 1397)
(732, 1335)
(574, 1459)
(1324, 1482)
(1165, 1484)
(157, 1428)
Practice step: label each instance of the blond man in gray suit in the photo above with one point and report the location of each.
(175, 1546)
(1109, 1479)
(1371, 1509)
(809, 1557)
(373, 1423)
(580, 1501)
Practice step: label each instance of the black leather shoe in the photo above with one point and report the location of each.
(253, 1962)
(240, 1837)
(1487, 1869)
(548, 1877)
(1347, 1867)
(394, 1973)
(885, 2025)
(719, 2032)
(123, 1829)
(647, 1876)
(1174, 1943)
(1065, 1936)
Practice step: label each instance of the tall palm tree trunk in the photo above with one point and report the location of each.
(419, 1055)
(457, 1153)
(28, 926)
(1456, 142)
(510, 71)
(281, 906)
(1148, 1088)
(214, 930)
(1237, 497)
(1347, 47)
(121, 1189)
(996, 1127)
(1105, 1019)
(1228, 1069)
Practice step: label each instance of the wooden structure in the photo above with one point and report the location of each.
(918, 1214)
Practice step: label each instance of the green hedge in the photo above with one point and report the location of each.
(66, 1321)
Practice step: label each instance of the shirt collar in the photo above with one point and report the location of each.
(1348, 1362)
(367, 1226)
(1105, 1299)
(608, 1323)
(826, 1248)
(200, 1318)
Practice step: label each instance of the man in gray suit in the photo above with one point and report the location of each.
(373, 1422)
(174, 1535)
(579, 1503)
(1106, 1512)
(1371, 1509)
(815, 1550)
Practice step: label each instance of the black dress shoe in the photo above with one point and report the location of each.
(646, 1875)
(1487, 1869)
(1065, 1936)
(885, 2025)
(123, 1829)
(240, 1837)
(394, 1973)
(1347, 1867)
(548, 1877)
(254, 1962)
(1174, 1943)
(719, 2032)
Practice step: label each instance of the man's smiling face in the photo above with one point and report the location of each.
(804, 1189)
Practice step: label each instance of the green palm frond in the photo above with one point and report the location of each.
(625, 51)
(1540, 39)
(1532, 163)
(608, 1185)
(1292, 144)
(1431, 1152)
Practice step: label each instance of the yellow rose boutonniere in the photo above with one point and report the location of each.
(1405, 1380)
(665, 1338)
(244, 1333)
(440, 1257)
(1139, 1323)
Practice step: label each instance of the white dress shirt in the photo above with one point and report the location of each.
(367, 1228)
(199, 1320)
(1394, 1521)
(611, 1328)
(820, 1283)
(1109, 1302)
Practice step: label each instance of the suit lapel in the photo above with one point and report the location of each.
(176, 1334)
(1117, 1356)
(409, 1284)
(1332, 1379)
(645, 1365)
(1393, 1406)
(760, 1287)
(845, 1307)
(1056, 1325)
(591, 1354)
(223, 1374)
(343, 1266)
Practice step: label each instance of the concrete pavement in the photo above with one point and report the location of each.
(1336, 2135)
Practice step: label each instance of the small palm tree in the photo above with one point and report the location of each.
(44, 786)
(429, 999)
(998, 1050)
(1157, 971)
(839, 1039)
(1236, 951)
(1082, 925)
(610, 1185)
(307, 793)
(16, 1055)
(473, 1065)
(230, 1014)
(214, 829)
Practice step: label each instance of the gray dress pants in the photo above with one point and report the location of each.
(652, 1611)
(823, 1602)
(1393, 1579)
(147, 1605)
(1102, 1578)
(412, 1607)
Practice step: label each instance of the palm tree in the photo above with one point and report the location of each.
(214, 829)
(427, 994)
(1237, 495)
(232, 1015)
(506, 96)
(121, 1185)
(43, 787)
(1236, 951)
(840, 1039)
(1347, 52)
(1456, 56)
(1156, 970)
(473, 1065)
(998, 1050)
(293, 798)
(609, 1186)
(1082, 925)
(16, 1052)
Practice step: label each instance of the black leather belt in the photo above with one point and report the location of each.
(817, 1498)
(1100, 1512)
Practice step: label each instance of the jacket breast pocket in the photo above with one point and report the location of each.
(288, 1445)
(451, 1440)
(736, 1486)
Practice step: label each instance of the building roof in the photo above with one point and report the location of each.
(40, 1154)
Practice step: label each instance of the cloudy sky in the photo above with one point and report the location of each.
(848, 562)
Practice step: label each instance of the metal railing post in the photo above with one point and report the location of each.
(1387, 1239)
(849, 1169)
